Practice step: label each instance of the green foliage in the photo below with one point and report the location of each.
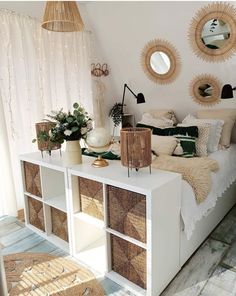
(70, 126)
(116, 114)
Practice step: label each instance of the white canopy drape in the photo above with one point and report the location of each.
(40, 71)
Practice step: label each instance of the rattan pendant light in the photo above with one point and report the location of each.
(62, 16)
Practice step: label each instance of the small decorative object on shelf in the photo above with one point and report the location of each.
(136, 148)
(99, 141)
(43, 137)
(71, 127)
(99, 70)
(116, 115)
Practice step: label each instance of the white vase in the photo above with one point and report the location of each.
(73, 153)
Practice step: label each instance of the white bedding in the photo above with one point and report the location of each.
(192, 212)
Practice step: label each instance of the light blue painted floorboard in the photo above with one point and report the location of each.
(9, 228)
(43, 247)
(23, 245)
(15, 236)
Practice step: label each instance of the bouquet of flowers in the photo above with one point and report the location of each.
(70, 126)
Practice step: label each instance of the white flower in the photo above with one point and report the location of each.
(67, 132)
(50, 133)
(89, 124)
(83, 130)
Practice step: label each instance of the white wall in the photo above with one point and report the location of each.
(121, 30)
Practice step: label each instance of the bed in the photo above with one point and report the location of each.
(198, 220)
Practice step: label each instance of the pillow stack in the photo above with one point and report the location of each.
(228, 116)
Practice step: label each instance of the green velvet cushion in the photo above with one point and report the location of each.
(191, 131)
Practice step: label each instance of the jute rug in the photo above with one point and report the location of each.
(43, 275)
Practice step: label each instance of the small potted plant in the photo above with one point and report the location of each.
(116, 116)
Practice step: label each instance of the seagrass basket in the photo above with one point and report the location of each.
(128, 260)
(59, 224)
(91, 197)
(42, 132)
(127, 212)
(135, 144)
(36, 216)
(32, 179)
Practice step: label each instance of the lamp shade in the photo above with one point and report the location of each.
(140, 98)
(62, 16)
(227, 92)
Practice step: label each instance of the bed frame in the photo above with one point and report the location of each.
(207, 224)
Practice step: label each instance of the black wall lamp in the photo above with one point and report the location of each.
(227, 91)
(140, 97)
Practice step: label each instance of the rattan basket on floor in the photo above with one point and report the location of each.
(127, 212)
(36, 216)
(59, 223)
(91, 197)
(129, 260)
(32, 179)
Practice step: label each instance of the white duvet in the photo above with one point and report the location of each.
(192, 212)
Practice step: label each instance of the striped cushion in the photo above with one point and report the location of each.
(188, 144)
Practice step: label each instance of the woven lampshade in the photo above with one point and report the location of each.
(62, 16)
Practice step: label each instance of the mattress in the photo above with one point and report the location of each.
(191, 212)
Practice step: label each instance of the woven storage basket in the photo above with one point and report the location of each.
(36, 216)
(45, 127)
(135, 145)
(59, 224)
(32, 179)
(129, 260)
(127, 212)
(91, 197)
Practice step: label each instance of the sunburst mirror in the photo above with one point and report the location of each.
(212, 32)
(205, 90)
(160, 61)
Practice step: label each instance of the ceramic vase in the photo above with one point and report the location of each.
(73, 153)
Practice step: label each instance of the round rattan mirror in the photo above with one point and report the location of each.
(212, 33)
(160, 61)
(205, 90)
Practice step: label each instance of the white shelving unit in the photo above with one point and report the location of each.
(45, 196)
(116, 224)
(99, 245)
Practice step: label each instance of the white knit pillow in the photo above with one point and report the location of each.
(216, 126)
(201, 141)
(164, 144)
(162, 122)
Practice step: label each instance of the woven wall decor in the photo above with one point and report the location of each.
(198, 89)
(215, 11)
(159, 45)
(36, 216)
(32, 179)
(59, 224)
(127, 212)
(129, 260)
(43, 274)
(91, 197)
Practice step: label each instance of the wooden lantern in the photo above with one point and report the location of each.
(42, 132)
(136, 148)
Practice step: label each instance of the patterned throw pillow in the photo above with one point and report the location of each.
(201, 141)
(191, 131)
(188, 144)
(216, 126)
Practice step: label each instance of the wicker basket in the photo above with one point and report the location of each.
(44, 128)
(59, 224)
(91, 197)
(32, 179)
(129, 260)
(127, 212)
(135, 145)
(36, 216)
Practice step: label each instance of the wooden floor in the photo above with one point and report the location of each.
(210, 272)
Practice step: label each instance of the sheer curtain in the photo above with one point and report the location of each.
(40, 71)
